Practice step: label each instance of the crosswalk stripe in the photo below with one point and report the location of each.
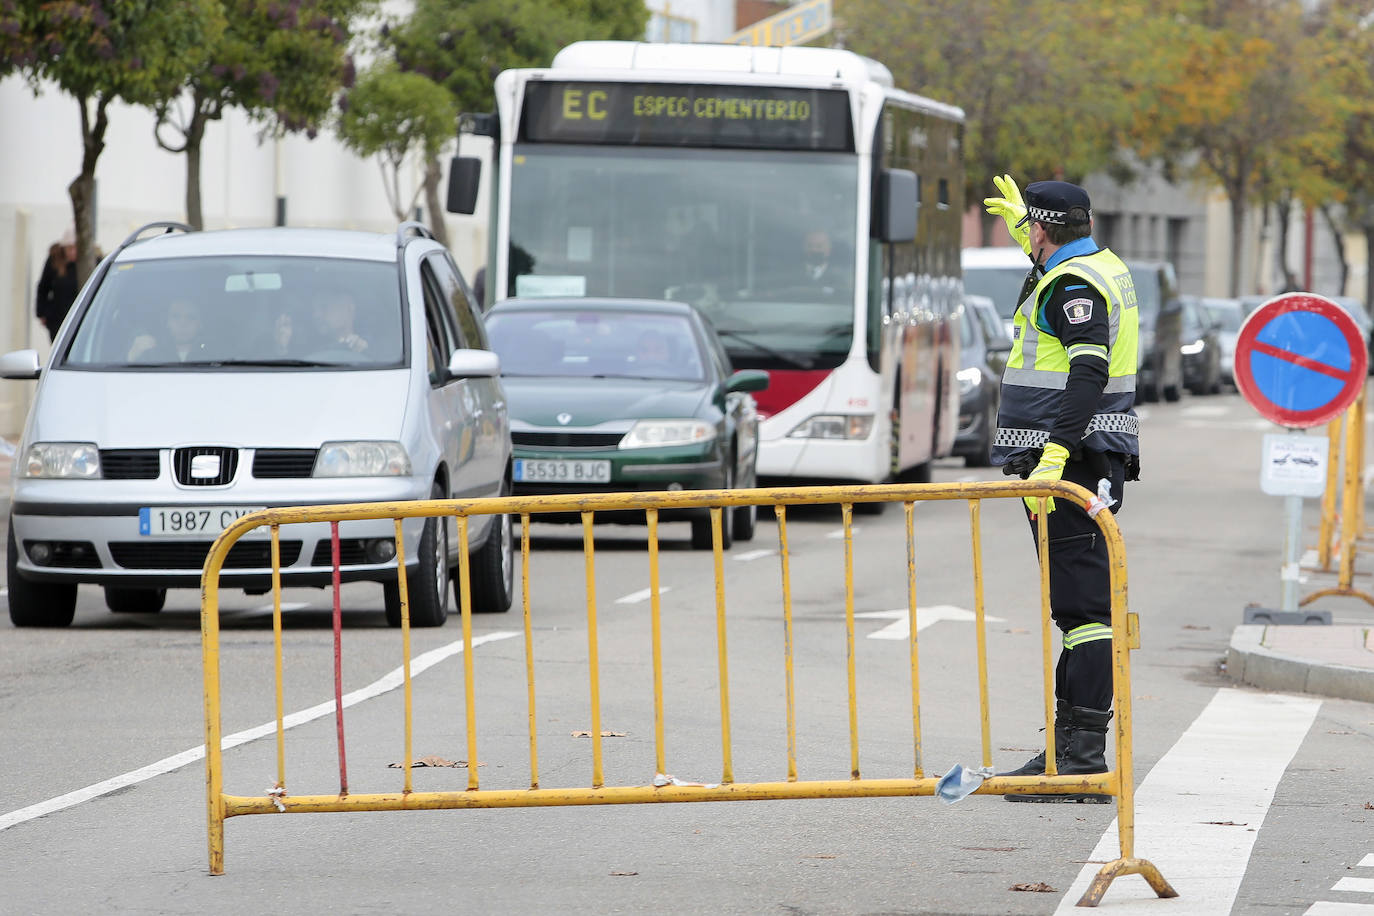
(1327, 908)
(1200, 808)
(1363, 885)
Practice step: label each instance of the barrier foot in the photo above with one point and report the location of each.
(1143, 867)
(1341, 592)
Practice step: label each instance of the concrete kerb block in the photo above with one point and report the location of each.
(1249, 662)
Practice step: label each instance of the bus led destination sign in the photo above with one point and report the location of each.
(674, 114)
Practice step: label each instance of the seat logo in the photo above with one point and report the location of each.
(204, 467)
(564, 419)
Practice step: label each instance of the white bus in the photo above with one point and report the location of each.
(807, 207)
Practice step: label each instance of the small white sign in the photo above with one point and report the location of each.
(534, 286)
(1293, 465)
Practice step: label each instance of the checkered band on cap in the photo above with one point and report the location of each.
(1046, 216)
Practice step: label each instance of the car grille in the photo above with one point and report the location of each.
(567, 440)
(228, 464)
(129, 463)
(191, 554)
(283, 462)
(351, 553)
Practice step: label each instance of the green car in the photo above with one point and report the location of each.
(610, 395)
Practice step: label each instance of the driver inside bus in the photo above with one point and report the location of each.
(820, 270)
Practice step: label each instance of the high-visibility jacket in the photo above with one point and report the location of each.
(1038, 369)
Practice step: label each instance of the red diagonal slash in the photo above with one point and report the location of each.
(1303, 361)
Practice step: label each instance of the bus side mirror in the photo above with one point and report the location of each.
(895, 207)
(464, 173)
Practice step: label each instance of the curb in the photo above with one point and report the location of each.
(1249, 662)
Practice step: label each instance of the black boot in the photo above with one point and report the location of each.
(1036, 765)
(1084, 752)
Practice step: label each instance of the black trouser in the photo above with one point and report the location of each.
(1080, 583)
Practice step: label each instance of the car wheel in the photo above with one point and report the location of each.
(37, 604)
(1171, 393)
(427, 587)
(981, 456)
(135, 600)
(745, 520)
(493, 568)
(701, 527)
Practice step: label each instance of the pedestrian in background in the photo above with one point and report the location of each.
(1066, 414)
(57, 286)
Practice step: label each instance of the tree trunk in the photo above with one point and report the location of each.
(1236, 198)
(195, 135)
(82, 188)
(1284, 206)
(434, 173)
(1369, 270)
(1339, 239)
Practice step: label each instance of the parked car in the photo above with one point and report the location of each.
(1361, 315)
(202, 375)
(984, 348)
(1201, 347)
(1160, 369)
(624, 395)
(997, 274)
(1227, 315)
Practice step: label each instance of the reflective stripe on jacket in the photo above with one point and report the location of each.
(1038, 369)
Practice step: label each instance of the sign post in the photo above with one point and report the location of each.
(1300, 361)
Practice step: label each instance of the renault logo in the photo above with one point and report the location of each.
(564, 419)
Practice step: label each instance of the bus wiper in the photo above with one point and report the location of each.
(796, 362)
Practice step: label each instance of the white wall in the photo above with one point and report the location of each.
(138, 182)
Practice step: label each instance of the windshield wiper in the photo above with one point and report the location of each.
(797, 362)
(252, 362)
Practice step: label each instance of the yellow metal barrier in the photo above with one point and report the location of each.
(1118, 782)
(1345, 463)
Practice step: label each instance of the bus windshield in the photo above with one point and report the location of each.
(762, 242)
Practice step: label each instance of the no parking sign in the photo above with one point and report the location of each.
(1300, 360)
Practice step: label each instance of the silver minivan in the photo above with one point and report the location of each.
(202, 375)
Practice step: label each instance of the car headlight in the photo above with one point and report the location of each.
(362, 459)
(72, 460)
(660, 433)
(834, 426)
(1193, 348)
(969, 379)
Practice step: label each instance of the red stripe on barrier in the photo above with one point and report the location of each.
(338, 657)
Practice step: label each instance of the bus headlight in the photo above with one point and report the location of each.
(1193, 348)
(834, 426)
(79, 460)
(969, 379)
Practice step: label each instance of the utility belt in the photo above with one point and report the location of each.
(1099, 463)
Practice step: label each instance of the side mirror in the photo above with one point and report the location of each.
(474, 364)
(894, 214)
(464, 175)
(747, 380)
(1000, 345)
(20, 364)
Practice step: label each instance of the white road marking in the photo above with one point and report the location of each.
(642, 595)
(1368, 474)
(750, 555)
(1367, 861)
(1309, 559)
(1363, 885)
(1204, 411)
(285, 606)
(387, 682)
(839, 535)
(1326, 908)
(900, 628)
(1199, 810)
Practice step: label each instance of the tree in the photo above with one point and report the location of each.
(1249, 91)
(387, 114)
(463, 44)
(138, 51)
(282, 63)
(1039, 100)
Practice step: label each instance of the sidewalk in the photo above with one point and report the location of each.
(1334, 661)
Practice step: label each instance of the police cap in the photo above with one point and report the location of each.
(1057, 202)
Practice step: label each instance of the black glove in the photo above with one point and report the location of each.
(1132, 467)
(1022, 464)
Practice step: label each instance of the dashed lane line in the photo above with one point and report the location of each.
(839, 535)
(642, 595)
(384, 684)
(1237, 751)
(750, 555)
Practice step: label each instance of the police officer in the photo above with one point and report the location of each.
(1066, 414)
